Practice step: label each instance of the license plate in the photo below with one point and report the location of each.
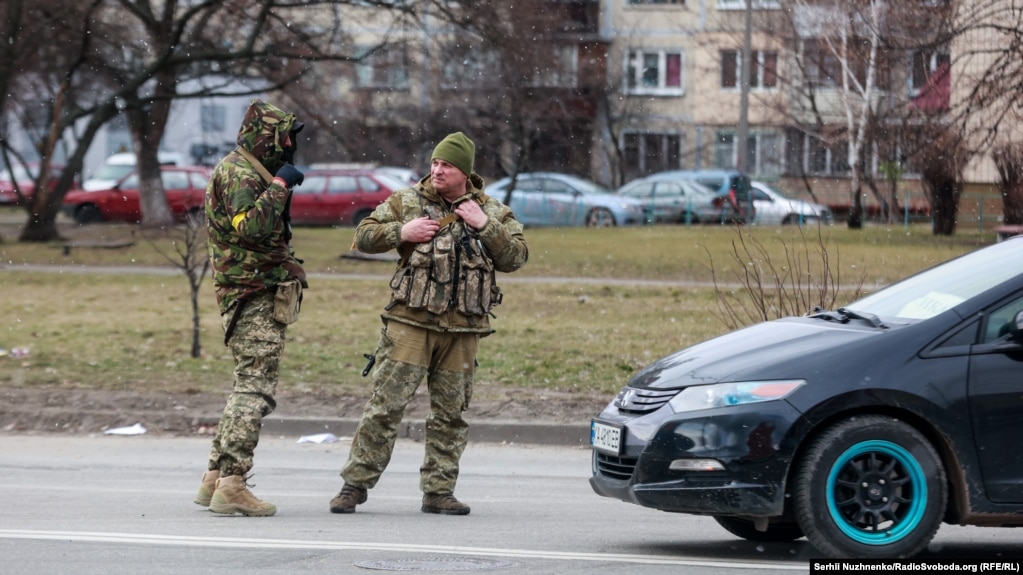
(606, 437)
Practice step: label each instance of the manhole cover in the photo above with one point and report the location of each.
(434, 564)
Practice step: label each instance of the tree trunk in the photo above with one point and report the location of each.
(945, 192)
(1008, 159)
(148, 122)
(855, 219)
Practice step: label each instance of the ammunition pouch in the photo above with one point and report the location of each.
(288, 301)
(428, 279)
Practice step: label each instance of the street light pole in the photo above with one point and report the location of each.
(743, 135)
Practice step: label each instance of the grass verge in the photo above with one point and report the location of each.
(564, 325)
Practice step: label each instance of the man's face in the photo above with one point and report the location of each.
(448, 180)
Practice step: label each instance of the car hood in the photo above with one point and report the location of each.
(760, 351)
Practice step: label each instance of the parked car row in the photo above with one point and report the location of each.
(345, 195)
(340, 196)
(671, 197)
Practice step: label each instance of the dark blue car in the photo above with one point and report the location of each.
(861, 428)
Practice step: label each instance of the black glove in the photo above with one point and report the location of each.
(291, 176)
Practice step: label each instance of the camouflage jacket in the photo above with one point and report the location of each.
(446, 284)
(244, 213)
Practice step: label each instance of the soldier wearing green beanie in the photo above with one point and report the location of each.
(458, 150)
(451, 238)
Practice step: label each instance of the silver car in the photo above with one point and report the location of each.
(775, 208)
(671, 200)
(553, 199)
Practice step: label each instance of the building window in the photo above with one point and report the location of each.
(763, 153)
(564, 71)
(466, 67)
(647, 153)
(741, 4)
(213, 118)
(811, 156)
(656, 72)
(822, 66)
(923, 66)
(382, 68)
(763, 73)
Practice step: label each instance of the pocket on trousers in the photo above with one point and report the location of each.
(288, 301)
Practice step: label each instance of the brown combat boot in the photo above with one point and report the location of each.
(348, 498)
(232, 496)
(207, 487)
(444, 503)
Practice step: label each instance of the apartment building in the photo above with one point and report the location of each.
(681, 64)
(617, 89)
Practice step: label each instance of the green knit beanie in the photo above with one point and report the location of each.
(458, 150)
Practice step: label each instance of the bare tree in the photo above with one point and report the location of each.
(130, 57)
(808, 278)
(187, 252)
(988, 88)
(518, 84)
(1008, 159)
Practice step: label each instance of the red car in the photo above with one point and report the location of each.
(26, 181)
(340, 196)
(185, 188)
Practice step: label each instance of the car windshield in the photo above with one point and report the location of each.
(390, 181)
(113, 172)
(588, 187)
(941, 288)
(21, 175)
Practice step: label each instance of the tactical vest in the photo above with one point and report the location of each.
(452, 271)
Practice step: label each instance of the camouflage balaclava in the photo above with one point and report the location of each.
(263, 132)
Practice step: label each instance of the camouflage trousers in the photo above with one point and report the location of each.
(256, 344)
(406, 354)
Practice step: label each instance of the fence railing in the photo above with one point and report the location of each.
(983, 211)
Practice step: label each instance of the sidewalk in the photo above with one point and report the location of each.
(17, 418)
(484, 431)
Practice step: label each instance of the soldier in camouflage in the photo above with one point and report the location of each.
(258, 284)
(451, 238)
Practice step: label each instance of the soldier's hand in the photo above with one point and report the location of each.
(290, 175)
(419, 230)
(471, 214)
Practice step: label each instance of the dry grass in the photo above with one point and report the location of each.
(132, 330)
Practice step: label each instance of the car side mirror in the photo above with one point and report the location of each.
(1017, 331)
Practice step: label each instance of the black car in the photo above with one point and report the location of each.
(862, 428)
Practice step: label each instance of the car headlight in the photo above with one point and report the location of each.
(734, 393)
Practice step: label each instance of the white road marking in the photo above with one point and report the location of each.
(239, 542)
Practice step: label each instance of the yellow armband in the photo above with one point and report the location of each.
(237, 220)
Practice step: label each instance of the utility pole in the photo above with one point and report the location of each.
(742, 137)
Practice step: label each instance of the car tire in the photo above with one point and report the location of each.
(776, 532)
(600, 218)
(195, 217)
(88, 214)
(793, 219)
(870, 487)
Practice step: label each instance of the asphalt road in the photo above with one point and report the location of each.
(111, 504)
(102, 504)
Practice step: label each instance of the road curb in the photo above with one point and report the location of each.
(481, 431)
(13, 420)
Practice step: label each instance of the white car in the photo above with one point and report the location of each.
(119, 165)
(775, 208)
